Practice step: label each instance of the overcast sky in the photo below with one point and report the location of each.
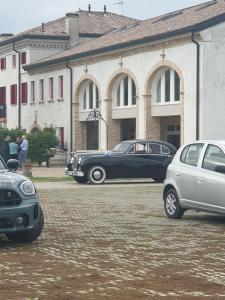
(19, 15)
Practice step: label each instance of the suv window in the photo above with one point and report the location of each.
(190, 154)
(214, 156)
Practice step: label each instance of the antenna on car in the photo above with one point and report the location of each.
(120, 3)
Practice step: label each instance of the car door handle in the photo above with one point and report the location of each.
(177, 174)
(200, 180)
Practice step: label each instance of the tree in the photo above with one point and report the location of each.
(40, 143)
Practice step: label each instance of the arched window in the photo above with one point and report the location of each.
(125, 92)
(167, 87)
(89, 96)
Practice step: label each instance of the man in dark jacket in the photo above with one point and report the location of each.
(6, 151)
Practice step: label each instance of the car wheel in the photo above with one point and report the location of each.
(172, 205)
(80, 179)
(96, 175)
(28, 236)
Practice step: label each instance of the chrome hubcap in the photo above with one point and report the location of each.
(97, 175)
(171, 204)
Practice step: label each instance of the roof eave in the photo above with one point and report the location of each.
(33, 36)
(196, 28)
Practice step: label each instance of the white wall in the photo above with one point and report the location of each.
(213, 83)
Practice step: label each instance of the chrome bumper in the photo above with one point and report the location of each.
(74, 173)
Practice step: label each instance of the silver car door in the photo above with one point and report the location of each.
(210, 183)
(186, 175)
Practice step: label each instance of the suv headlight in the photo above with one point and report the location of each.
(27, 188)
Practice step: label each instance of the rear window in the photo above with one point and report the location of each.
(190, 154)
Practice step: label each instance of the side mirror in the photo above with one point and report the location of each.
(220, 169)
(13, 164)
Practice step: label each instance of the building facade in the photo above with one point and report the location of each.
(161, 79)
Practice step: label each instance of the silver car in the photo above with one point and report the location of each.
(196, 179)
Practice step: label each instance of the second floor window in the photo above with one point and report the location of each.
(13, 96)
(24, 92)
(167, 88)
(61, 87)
(23, 58)
(2, 95)
(90, 96)
(125, 92)
(41, 89)
(14, 61)
(51, 95)
(3, 63)
(32, 91)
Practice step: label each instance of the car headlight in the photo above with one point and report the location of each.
(79, 160)
(27, 188)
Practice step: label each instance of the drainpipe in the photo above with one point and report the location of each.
(71, 106)
(19, 85)
(197, 83)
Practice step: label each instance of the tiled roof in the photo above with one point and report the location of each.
(195, 17)
(95, 23)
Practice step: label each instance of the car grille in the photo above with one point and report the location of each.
(9, 198)
(75, 162)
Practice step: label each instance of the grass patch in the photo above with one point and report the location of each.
(52, 179)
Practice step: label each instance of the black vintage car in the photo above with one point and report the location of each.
(129, 159)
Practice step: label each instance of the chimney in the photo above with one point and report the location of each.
(89, 8)
(43, 27)
(105, 12)
(73, 28)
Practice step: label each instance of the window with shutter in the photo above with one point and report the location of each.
(24, 92)
(3, 63)
(13, 96)
(23, 58)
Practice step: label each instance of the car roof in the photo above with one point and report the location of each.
(221, 142)
(150, 141)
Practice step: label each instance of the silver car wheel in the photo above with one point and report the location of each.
(171, 204)
(97, 175)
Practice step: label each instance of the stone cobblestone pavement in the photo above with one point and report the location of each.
(115, 242)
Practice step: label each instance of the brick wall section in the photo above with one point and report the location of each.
(152, 129)
(113, 126)
(80, 130)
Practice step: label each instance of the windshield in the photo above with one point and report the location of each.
(123, 147)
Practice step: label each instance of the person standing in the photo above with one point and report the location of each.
(13, 149)
(6, 150)
(23, 151)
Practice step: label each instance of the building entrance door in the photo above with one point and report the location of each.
(128, 129)
(170, 130)
(92, 135)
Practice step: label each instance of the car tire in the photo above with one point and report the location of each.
(172, 205)
(80, 179)
(96, 174)
(30, 235)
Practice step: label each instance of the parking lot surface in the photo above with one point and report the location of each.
(115, 242)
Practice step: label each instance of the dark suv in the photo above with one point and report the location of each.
(21, 217)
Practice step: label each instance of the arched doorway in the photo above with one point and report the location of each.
(123, 93)
(86, 130)
(166, 104)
